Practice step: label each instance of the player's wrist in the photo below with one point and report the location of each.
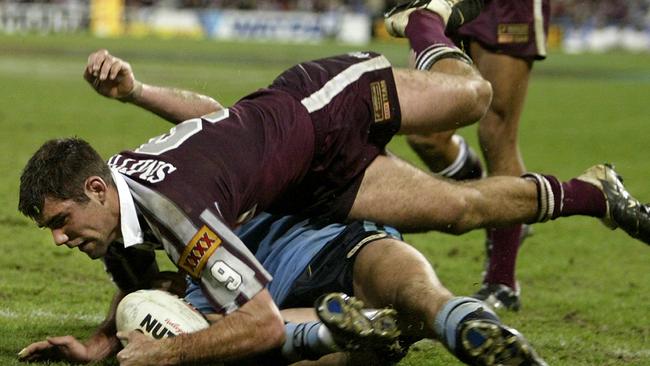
(171, 350)
(135, 92)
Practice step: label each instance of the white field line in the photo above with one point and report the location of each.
(48, 315)
(41, 69)
(644, 353)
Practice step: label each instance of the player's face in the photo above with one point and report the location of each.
(89, 226)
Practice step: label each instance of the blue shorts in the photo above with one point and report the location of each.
(306, 258)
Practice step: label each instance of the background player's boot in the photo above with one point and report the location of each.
(453, 12)
(355, 328)
(623, 210)
(499, 296)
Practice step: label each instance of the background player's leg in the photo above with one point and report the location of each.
(498, 136)
(498, 130)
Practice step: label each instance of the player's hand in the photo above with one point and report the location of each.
(54, 349)
(141, 350)
(110, 76)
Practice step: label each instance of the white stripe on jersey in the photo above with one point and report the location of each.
(167, 213)
(538, 19)
(332, 88)
(230, 274)
(234, 241)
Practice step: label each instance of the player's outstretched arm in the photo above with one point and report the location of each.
(55, 348)
(254, 328)
(102, 344)
(113, 77)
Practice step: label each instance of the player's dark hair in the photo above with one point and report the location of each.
(58, 170)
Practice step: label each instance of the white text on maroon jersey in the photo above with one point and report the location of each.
(151, 170)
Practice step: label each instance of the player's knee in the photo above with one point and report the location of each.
(460, 214)
(481, 94)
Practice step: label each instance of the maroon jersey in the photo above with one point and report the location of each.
(299, 146)
(230, 161)
(516, 28)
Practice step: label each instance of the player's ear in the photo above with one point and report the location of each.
(95, 186)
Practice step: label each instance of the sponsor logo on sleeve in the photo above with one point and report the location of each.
(380, 103)
(198, 251)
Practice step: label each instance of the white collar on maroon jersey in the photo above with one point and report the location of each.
(131, 230)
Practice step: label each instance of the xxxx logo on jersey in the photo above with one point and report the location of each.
(198, 250)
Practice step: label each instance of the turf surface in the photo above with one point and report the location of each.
(586, 289)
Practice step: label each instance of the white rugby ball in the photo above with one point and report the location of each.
(157, 314)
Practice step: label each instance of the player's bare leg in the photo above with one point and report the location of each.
(451, 94)
(396, 193)
(498, 136)
(498, 130)
(437, 151)
(436, 102)
(414, 289)
(446, 153)
(466, 326)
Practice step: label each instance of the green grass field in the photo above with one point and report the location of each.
(586, 289)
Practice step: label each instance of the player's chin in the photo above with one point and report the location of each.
(93, 249)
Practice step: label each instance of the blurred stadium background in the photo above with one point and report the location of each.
(577, 25)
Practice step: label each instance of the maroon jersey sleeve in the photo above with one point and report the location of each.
(203, 247)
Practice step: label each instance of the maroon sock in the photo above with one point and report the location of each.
(574, 197)
(425, 29)
(582, 198)
(503, 255)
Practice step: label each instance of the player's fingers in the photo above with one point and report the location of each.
(88, 71)
(108, 63)
(33, 349)
(25, 353)
(118, 65)
(99, 53)
(95, 61)
(91, 78)
(136, 334)
(29, 357)
(126, 336)
(122, 335)
(123, 357)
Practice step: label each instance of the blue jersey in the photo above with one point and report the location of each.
(288, 246)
